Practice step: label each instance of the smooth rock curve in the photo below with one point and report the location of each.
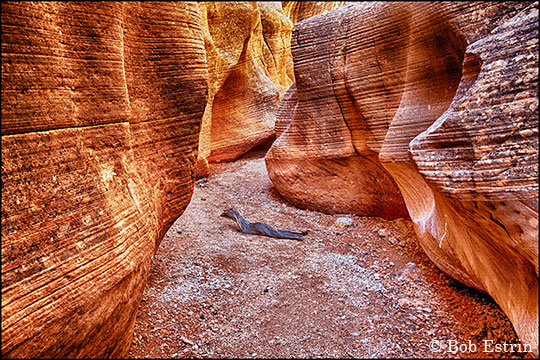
(101, 109)
(443, 96)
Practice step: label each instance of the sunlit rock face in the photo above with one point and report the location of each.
(248, 46)
(250, 68)
(441, 98)
(301, 10)
(101, 109)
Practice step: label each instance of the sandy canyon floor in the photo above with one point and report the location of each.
(360, 291)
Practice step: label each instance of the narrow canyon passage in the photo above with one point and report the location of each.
(359, 290)
(111, 111)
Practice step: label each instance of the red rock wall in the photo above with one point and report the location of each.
(248, 51)
(250, 68)
(101, 110)
(301, 10)
(443, 98)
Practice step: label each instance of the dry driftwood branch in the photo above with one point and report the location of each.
(258, 228)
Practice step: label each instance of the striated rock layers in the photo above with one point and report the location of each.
(434, 102)
(101, 109)
(248, 47)
(301, 10)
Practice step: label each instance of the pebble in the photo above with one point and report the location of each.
(408, 271)
(187, 341)
(383, 232)
(344, 222)
(404, 302)
(526, 133)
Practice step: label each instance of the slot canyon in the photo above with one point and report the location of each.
(399, 138)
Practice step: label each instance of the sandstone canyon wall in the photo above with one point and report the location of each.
(301, 10)
(250, 68)
(101, 109)
(249, 64)
(435, 104)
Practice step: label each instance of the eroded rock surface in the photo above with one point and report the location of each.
(101, 111)
(442, 99)
(248, 47)
(250, 68)
(301, 10)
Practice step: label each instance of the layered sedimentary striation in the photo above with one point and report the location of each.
(250, 68)
(314, 163)
(101, 111)
(248, 48)
(441, 100)
(301, 10)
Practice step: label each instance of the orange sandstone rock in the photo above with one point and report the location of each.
(301, 10)
(442, 96)
(487, 177)
(250, 67)
(248, 45)
(101, 111)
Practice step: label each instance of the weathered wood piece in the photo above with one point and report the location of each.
(258, 228)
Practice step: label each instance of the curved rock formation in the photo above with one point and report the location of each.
(101, 110)
(314, 163)
(250, 67)
(443, 96)
(248, 46)
(301, 10)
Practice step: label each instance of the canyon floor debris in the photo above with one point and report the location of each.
(258, 228)
(364, 290)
